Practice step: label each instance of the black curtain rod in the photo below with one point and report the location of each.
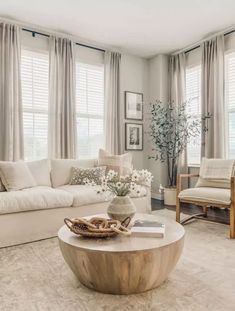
(46, 35)
(198, 46)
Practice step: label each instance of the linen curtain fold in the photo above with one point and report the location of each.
(62, 103)
(11, 116)
(177, 72)
(213, 140)
(112, 105)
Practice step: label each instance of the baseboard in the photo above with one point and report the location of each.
(157, 196)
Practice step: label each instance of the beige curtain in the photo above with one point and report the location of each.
(11, 125)
(62, 105)
(177, 70)
(112, 109)
(213, 141)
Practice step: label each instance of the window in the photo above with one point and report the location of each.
(193, 97)
(230, 102)
(89, 109)
(34, 78)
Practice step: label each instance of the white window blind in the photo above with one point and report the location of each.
(89, 109)
(230, 102)
(34, 75)
(193, 97)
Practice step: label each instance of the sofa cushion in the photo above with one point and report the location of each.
(80, 175)
(61, 169)
(122, 164)
(16, 175)
(35, 198)
(215, 173)
(206, 194)
(85, 195)
(41, 172)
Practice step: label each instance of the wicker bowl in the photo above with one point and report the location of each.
(97, 227)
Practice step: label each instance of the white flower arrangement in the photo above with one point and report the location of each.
(113, 184)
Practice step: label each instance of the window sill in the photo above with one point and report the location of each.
(194, 166)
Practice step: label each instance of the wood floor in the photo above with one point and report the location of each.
(214, 214)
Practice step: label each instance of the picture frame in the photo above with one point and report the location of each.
(134, 136)
(133, 106)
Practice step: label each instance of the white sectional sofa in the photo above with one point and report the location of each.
(38, 212)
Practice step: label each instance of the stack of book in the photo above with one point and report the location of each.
(148, 228)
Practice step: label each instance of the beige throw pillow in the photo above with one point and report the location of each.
(41, 172)
(16, 175)
(215, 173)
(80, 175)
(122, 164)
(61, 169)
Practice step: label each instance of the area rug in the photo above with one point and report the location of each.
(34, 277)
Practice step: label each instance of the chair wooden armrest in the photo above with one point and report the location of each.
(178, 190)
(179, 180)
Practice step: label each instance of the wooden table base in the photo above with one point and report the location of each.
(123, 265)
(122, 273)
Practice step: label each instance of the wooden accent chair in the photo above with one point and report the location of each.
(218, 192)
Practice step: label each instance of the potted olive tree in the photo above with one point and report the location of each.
(170, 131)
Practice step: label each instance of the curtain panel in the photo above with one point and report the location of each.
(213, 140)
(11, 117)
(177, 96)
(112, 104)
(62, 102)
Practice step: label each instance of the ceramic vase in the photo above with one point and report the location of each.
(121, 207)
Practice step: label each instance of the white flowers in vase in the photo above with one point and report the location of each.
(115, 185)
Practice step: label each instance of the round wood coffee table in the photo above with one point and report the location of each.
(123, 265)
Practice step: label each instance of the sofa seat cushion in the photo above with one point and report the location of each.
(206, 194)
(85, 195)
(82, 194)
(35, 198)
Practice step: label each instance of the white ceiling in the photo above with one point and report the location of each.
(140, 27)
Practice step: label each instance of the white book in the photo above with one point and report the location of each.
(146, 228)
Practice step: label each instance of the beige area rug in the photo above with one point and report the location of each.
(35, 277)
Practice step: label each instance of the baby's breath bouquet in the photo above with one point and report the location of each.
(117, 185)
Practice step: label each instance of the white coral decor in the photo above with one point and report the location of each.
(113, 184)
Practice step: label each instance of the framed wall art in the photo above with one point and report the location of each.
(133, 136)
(133, 106)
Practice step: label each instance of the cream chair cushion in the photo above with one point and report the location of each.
(206, 194)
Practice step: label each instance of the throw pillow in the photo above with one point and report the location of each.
(80, 175)
(215, 173)
(16, 176)
(122, 164)
(41, 172)
(61, 170)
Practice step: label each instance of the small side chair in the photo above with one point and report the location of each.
(215, 188)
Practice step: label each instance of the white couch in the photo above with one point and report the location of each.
(37, 213)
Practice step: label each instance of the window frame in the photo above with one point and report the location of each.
(89, 116)
(198, 115)
(35, 111)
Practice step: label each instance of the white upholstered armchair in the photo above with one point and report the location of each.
(215, 188)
